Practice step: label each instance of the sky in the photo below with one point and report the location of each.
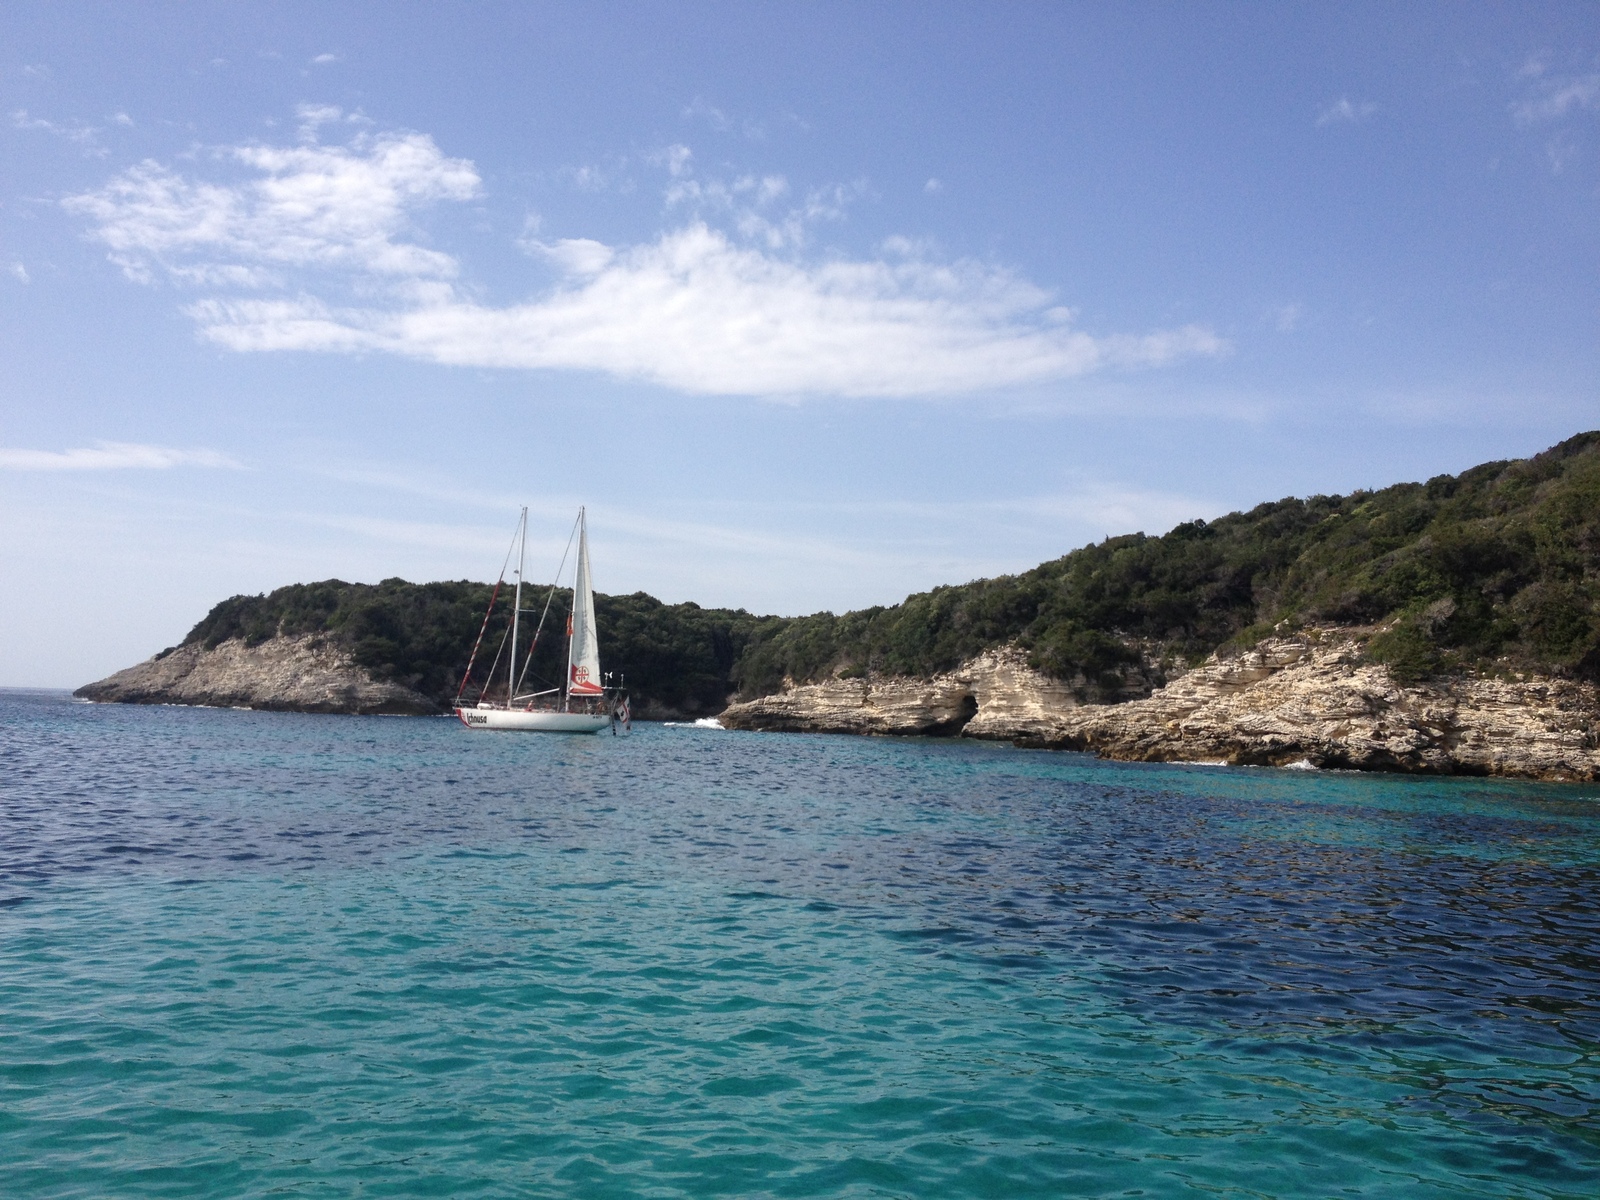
(812, 306)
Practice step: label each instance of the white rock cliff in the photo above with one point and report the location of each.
(296, 674)
(1310, 697)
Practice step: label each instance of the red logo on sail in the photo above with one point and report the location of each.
(581, 684)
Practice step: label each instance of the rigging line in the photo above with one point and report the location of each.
(528, 662)
(504, 637)
(482, 629)
(489, 681)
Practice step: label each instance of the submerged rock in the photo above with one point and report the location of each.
(296, 674)
(1308, 699)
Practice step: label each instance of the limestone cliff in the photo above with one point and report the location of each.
(299, 674)
(1310, 697)
(994, 695)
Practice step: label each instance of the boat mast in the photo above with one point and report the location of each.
(566, 684)
(516, 612)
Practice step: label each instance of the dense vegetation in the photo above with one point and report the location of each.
(678, 656)
(1496, 567)
(1500, 563)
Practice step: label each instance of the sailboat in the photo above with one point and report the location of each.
(582, 704)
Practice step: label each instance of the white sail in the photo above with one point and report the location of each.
(583, 653)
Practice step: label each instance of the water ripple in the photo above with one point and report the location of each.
(253, 952)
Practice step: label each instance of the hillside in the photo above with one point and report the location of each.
(1500, 564)
(675, 658)
(1494, 569)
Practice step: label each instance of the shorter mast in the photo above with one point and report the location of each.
(516, 612)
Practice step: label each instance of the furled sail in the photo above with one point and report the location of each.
(583, 654)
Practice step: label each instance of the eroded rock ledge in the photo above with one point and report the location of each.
(1307, 698)
(295, 674)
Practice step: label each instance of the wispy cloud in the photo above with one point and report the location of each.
(676, 158)
(339, 207)
(701, 309)
(78, 132)
(760, 207)
(1551, 101)
(1552, 97)
(701, 109)
(323, 60)
(20, 273)
(111, 456)
(1346, 111)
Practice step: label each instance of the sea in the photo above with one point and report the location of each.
(269, 954)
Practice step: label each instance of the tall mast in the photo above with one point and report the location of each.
(572, 616)
(572, 613)
(516, 611)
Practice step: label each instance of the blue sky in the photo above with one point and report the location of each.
(812, 305)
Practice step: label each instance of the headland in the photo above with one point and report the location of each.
(1451, 626)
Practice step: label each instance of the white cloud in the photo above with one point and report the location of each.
(577, 257)
(1287, 318)
(1556, 97)
(77, 132)
(751, 204)
(324, 59)
(20, 273)
(592, 177)
(697, 310)
(717, 119)
(310, 206)
(933, 186)
(1344, 110)
(708, 112)
(676, 158)
(314, 116)
(110, 456)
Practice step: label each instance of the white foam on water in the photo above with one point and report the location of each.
(702, 723)
(1305, 764)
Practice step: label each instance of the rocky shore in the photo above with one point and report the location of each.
(1311, 697)
(293, 674)
(1307, 698)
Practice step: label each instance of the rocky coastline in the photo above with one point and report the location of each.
(288, 674)
(1310, 697)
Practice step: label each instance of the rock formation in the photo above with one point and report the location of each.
(299, 674)
(995, 695)
(1310, 697)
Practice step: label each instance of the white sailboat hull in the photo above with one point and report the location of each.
(533, 722)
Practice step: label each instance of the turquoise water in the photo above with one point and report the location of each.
(253, 953)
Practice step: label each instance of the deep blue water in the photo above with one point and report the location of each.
(252, 953)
